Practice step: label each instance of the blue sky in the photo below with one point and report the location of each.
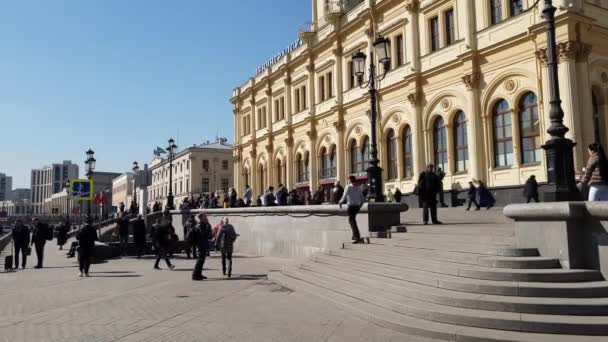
(123, 76)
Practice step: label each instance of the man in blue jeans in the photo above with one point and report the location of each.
(353, 197)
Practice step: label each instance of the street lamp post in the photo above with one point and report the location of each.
(382, 48)
(171, 151)
(135, 173)
(90, 164)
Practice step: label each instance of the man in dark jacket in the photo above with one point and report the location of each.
(40, 234)
(336, 192)
(531, 189)
(225, 243)
(123, 233)
(398, 195)
(139, 235)
(269, 199)
(429, 185)
(190, 237)
(164, 240)
(21, 239)
(282, 195)
(204, 233)
(472, 195)
(86, 245)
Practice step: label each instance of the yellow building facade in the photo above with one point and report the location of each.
(467, 90)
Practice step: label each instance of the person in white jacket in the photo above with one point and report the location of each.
(353, 198)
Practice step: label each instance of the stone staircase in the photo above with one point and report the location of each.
(460, 282)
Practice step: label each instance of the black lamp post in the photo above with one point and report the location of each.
(90, 164)
(135, 173)
(171, 151)
(382, 48)
(558, 149)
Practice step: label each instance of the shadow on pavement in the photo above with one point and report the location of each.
(241, 277)
(116, 276)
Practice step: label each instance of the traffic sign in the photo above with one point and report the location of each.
(81, 189)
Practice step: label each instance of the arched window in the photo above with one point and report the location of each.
(461, 146)
(332, 162)
(301, 168)
(391, 154)
(355, 157)
(440, 144)
(529, 128)
(279, 171)
(324, 161)
(365, 156)
(307, 167)
(408, 157)
(503, 136)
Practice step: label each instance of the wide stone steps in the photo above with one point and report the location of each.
(461, 257)
(469, 285)
(534, 305)
(498, 250)
(471, 271)
(508, 240)
(578, 325)
(417, 326)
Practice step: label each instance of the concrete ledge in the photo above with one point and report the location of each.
(554, 211)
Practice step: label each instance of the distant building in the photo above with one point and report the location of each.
(102, 187)
(15, 208)
(6, 187)
(197, 170)
(48, 181)
(122, 190)
(22, 194)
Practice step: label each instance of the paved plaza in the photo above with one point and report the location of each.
(126, 300)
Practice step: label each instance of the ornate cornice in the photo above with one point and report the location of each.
(471, 81)
(312, 135)
(583, 52)
(413, 6)
(567, 50)
(339, 126)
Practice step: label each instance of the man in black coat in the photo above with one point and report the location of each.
(21, 240)
(123, 233)
(86, 237)
(204, 233)
(269, 199)
(398, 195)
(531, 189)
(429, 185)
(164, 235)
(40, 234)
(139, 235)
(282, 195)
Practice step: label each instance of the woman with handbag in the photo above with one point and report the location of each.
(596, 173)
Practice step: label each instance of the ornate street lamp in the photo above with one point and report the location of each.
(171, 149)
(135, 173)
(382, 48)
(90, 164)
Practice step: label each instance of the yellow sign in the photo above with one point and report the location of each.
(81, 189)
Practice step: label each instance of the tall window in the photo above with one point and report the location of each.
(205, 184)
(408, 157)
(529, 128)
(324, 161)
(440, 144)
(225, 183)
(434, 33)
(503, 138)
(206, 165)
(262, 177)
(365, 156)
(264, 117)
(302, 168)
(276, 110)
(332, 162)
(460, 142)
(224, 165)
(303, 94)
(351, 75)
(282, 108)
(516, 7)
(355, 158)
(450, 34)
(296, 97)
(330, 86)
(399, 50)
(391, 154)
(496, 11)
(279, 171)
(322, 88)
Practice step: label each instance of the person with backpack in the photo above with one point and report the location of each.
(203, 235)
(596, 173)
(86, 244)
(225, 243)
(40, 234)
(21, 241)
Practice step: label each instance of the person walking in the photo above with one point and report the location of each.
(596, 173)
(353, 197)
(531, 189)
(203, 235)
(40, 235)
(225, 244)
(164, 240)
(269, 199)
(486, 199)
(139, 235)
(397, 195)
(337, 191)
(472, 195)
(86, 245)
(429, 185)
(21, 241)
(123, 233)
(189, 237)
(248, 195)
(62, 233)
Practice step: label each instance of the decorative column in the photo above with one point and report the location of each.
(288, 95)
(449, 128)
(313, 161)
(418, 138)
(341, 166)
(311, 88)
(474, 129)
(253, 173)
(400, 159)
(289, 178)
(270, 111)
(413, 36)
(467, 18)
(254, 119)
(270, 163)
(570, 101)
(338, 73)
(541, 56)
(583, 88)
(517, 160)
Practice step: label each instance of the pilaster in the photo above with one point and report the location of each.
(474, 129)
(413, 35)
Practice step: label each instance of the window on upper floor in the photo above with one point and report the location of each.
(276, 110)
(322, 94)
(326, 86)
(296, 100)
(206, 165)
(224, 165)
(264, 118)
(399, 57)
(351, 75)
(300, 99)
(303, 100)
(434, 29)
(450, 34)
(282, 108)
(495, 11)
(516, 7)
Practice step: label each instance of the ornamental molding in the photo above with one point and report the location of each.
(568, 50)
(511, 85)
(445, 104)
(583, 52)
(415, 98)
(396, 118)
(471, 81)
(339, 126)
(312, 135)
(541, 55)
(413, 6)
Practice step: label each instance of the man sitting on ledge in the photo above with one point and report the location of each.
(353, 197)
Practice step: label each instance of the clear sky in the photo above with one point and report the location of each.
(123, 76)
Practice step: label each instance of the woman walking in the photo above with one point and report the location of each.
(596, 173)
(485, 196)
(86, 244)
